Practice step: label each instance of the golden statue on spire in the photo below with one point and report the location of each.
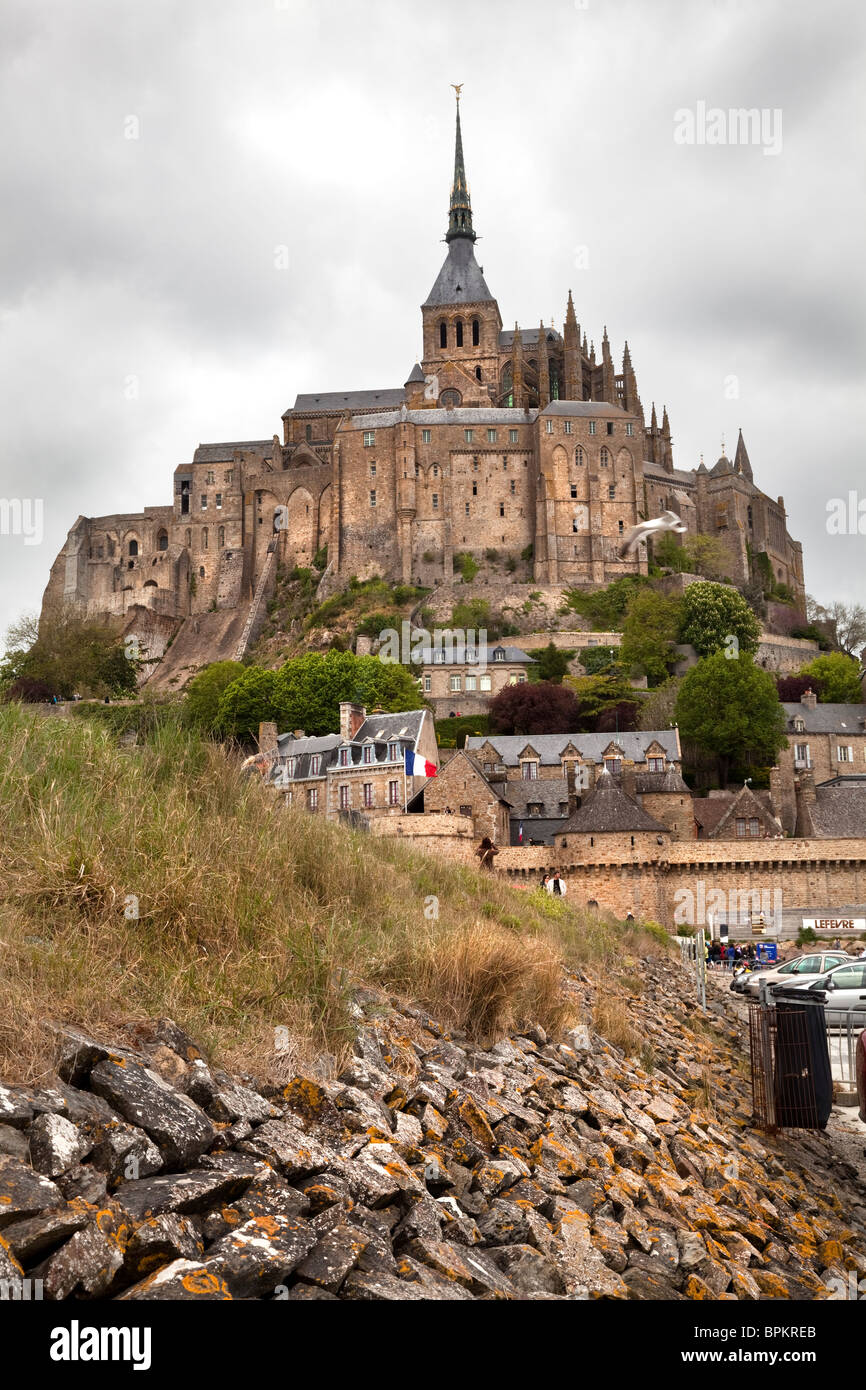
(458, 87)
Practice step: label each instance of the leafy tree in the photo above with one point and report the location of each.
(714, 613)
(310, 689)
(845, 623)
(66, 655)
(534, 708)
(730, 709)
(837, 675)
(599, 661)
(791, 689)
(649, 633)
(695, 554)
(551, 664)
(205, 690)
(246, 701)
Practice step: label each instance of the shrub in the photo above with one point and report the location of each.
(466, 565)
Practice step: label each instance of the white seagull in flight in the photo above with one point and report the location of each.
(668, 521)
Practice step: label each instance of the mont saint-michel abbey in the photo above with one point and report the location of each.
(505, 437)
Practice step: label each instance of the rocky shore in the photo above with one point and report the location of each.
(425, 1168)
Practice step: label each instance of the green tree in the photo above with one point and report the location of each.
(205, 690)
(731, 710)
(311, 689)
(66, 655)
(249, 699)
(658, 709)
(649, 635)
(598, 696)
(551, 664)
(605, 608)
(838, 676)
(712, 614)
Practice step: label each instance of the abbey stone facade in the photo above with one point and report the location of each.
(500, 437)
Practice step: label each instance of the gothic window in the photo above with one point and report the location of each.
(458, 331)
(162, 541)
(221, 537)
(578, 456)
(133, 547)
(476, 333)
(450, 398)
(443, 335)
(605, 458)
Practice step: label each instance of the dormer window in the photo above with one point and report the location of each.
(499, 654)
(529, 770)
(800, 726)
(345, 757)
(393, 752)
(369, 753)
(315, 764)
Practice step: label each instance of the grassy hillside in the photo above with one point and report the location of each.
(249, 917)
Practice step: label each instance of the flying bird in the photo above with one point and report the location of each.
(668, 521)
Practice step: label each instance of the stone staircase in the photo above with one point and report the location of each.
(264, 589)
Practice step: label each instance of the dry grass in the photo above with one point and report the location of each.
(610, 1018)
(249, 918)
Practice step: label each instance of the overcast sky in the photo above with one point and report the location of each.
(146, 304)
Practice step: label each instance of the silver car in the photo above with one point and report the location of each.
(842, 992)
(800, 970)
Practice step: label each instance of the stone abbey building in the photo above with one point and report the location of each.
(500, 437)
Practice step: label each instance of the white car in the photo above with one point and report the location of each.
(842, 992)
(800, 970)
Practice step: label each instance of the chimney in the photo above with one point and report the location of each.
(776, 790)
(572, 787)
(267, 737)
(351, 718)
(806, 789)
(809, 699)
(629, 780)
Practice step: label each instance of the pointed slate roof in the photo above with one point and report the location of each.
(741, 458)
(460, 210)
(608, 810)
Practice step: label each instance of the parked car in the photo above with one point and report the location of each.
(842, 992)
(861, 1075)
(800, 970)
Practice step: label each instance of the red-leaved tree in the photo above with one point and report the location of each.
(537, 708)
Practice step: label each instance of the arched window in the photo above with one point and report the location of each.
(162, 541)
(204, 538)
(458, 330)
(133, 547)
(443, 334)
(309, 434)
(450, 397)
(221, 537)
(478, 373)
(476, 332)
(578, 456)
(201, 571)
(605, 458)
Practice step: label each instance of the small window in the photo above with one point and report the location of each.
(308, 434)
(476, 332)
(455, 683)
(393, 793)
(133, 547)
(188, 539)
(613, 765)
(467, 508)
(568, 427)
(435, 470)
(605, 458)
(471, 682)
(210, 477)
(548, 425)
(230, 476)
(369, 439)
(629, 429)
(844, 754)
(372, 497)
(369, 753)
(204, 538)
(345, 797)
(611, 492)
(609, 426)
(345, 757)
(491, 436)
(219, 501)
(501, 508)
(428, 682)
(474, 489)
(368, 795)
(469, 435)
(458, 332)
(484, 683)
(578, 456)
(372, 470)
(221, 537)
(443, 335)
(435, 501)
(313, 798)
(393, 752)
(204, 502)
(574, 491)
(512, 436)
(656, 764)
(513, 486)
(592, 427)
(201, 572)
(426, 436)
(620, 528)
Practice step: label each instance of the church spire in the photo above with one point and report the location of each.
(460, 213)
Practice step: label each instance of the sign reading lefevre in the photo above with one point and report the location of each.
(835, 923)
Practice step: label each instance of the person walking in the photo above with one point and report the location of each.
(486, 851)
(556, 886)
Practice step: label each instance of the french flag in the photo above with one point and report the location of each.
(416, 766)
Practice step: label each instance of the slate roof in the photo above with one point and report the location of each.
(654, 783)
(460, 655)
(332, 402)
(528, 336)
(590, 746)
(460, 280)
(475, 416)
(711, 811)
(416, 374)
(550, 792)
(385, 728)
(592, 408)
(608, 810)
(223, 453)
(379, 730)
(827, 719)
(839, 811)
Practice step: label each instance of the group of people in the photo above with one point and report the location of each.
(727, 955)
(551, 883)
(554, 884)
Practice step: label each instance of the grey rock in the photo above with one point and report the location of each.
(56, 1145)
(24, 1193)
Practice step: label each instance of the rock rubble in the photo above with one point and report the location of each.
(429, 1168)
